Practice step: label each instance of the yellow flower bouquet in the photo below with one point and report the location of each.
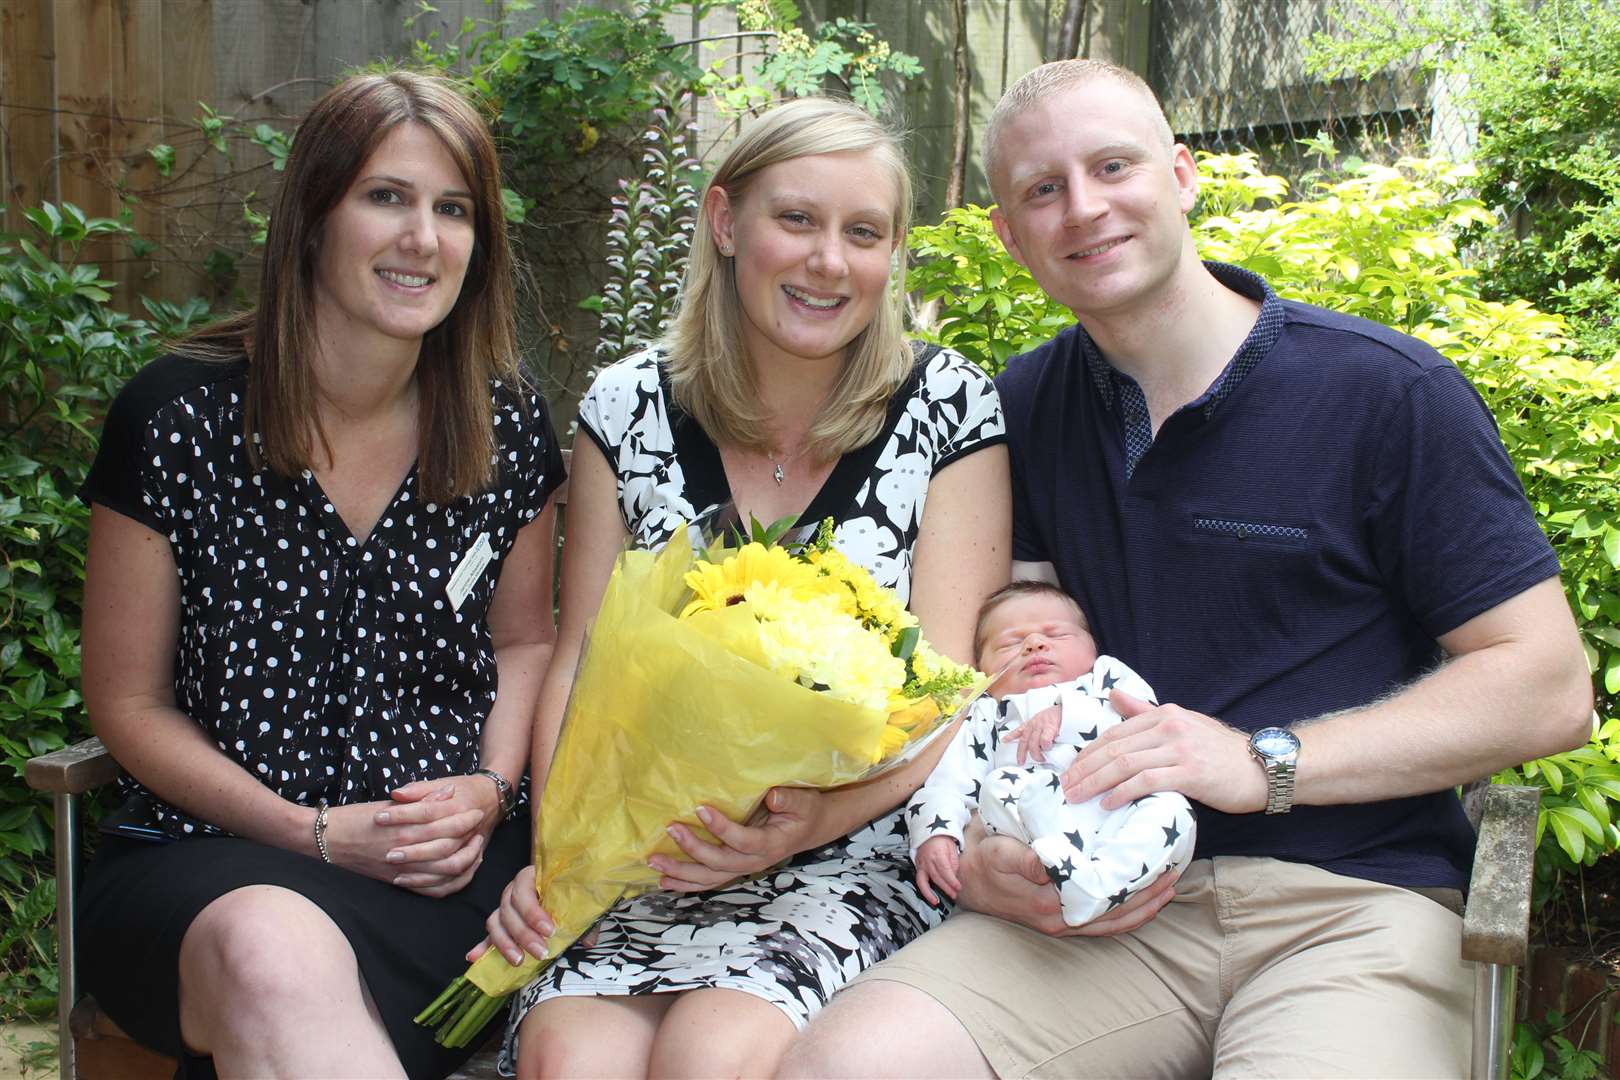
(712, 680)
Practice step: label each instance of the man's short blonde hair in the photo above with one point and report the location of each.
(1053, 78)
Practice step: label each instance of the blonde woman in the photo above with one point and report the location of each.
(784, 388)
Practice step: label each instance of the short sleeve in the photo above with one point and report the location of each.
(533, 453)
(1451, 525)
(128, 469)
(1026, 546)
(965, 408)
(1014, 387)
(611, 405)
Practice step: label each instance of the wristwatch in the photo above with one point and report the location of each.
(1277, 751)
(503, 790)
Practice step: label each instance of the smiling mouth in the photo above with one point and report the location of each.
(409, 281)
(816, 302)
(1108, 245)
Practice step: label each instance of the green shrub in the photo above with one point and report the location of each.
(1383, 242)
(989, 308)
(63, 355)
(1542, 79)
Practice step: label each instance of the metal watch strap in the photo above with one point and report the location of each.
(1279, 786)
(503, 790)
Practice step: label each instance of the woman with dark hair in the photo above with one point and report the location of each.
(317, 612)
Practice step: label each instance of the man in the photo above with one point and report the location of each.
(1284, 518)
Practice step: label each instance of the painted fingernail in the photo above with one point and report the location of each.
(396, 856)
(514, 957)
(673, 830)
(703, 815)
(537, 950)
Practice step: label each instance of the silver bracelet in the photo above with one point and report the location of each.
(320, 834)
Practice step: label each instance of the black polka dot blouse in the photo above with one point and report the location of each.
(330, 667)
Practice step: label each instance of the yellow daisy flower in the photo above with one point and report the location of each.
(721, 585)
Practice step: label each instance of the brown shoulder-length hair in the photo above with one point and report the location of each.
(474, 344)
(708, 364)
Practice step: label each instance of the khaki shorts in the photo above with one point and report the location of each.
(1257, 968)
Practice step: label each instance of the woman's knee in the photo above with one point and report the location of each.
(713, 1033)
(261, 947)
(589, 1036)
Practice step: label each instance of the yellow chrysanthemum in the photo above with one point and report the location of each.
(826, 647)
(771, 601)
(721, 585)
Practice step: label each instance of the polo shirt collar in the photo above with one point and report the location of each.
(1264, 334)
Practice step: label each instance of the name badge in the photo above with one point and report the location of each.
(472, 564)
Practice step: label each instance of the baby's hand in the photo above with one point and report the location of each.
(1036, 735)
(937, 860)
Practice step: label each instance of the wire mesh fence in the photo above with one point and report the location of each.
(1233, 75)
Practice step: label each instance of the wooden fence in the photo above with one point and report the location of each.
(87, 87)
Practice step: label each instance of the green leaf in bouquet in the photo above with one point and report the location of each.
(906, 643)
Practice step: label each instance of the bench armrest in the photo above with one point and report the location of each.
(1496, 924)
(72, 770)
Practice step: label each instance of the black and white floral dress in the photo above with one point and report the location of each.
(795, 934)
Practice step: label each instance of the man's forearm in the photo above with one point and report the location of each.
(1514, 688)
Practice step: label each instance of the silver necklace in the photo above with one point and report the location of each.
(776, 466)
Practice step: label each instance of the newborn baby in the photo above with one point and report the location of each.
(1050, 699)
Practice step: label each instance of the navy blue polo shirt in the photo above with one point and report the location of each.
(1290, 544)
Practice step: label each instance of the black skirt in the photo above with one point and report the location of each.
(139, 900)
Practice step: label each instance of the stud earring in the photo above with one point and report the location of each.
(725, 249)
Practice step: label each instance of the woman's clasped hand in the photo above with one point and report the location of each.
(789, 821)
(428, 838)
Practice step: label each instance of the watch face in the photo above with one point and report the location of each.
(1275, 742)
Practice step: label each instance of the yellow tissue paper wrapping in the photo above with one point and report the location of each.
(666, 713)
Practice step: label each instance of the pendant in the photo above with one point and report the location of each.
(778, 476)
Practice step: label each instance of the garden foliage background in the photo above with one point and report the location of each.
(1507, 263)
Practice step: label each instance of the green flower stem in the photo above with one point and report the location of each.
(460, 1013)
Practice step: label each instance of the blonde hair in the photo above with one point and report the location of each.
(706, 358)
(1060, 75)
(474, 344)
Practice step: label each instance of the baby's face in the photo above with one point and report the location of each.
(1043, 640)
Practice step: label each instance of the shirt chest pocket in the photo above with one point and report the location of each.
(1260, 567)
(1249, 530)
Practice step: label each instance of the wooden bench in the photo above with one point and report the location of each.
(1495, 924)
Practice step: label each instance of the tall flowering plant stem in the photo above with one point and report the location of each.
(650, 234)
